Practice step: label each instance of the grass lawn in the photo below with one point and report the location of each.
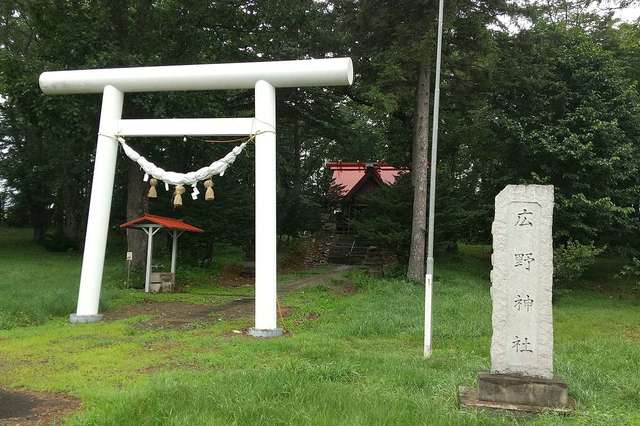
(352, 357)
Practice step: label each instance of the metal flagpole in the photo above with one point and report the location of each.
(428, 293)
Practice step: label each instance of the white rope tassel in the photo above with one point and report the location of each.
(216, 168)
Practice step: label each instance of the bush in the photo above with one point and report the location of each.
(572, 259)
(632, 271)
(58, 243)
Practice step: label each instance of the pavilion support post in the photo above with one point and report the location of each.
(147, 276)
(265, 213)
(174, 251)
(99, 208)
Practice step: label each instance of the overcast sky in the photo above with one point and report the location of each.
(628, 14)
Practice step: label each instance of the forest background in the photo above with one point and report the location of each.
(532, 92)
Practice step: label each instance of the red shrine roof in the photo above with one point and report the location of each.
(165, 222)
(348, 176)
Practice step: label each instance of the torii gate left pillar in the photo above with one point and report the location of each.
(263, 77)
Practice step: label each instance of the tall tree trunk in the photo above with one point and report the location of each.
(293, 215)
(36, 197)
(419, 161)
(137, 205)
(68, 205)
(137, 201)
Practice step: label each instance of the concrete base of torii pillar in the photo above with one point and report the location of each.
(85, 319)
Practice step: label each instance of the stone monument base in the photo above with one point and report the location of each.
(517, 393)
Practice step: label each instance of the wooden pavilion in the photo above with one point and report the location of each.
(151, 224)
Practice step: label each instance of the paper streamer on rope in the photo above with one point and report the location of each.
(216, 168)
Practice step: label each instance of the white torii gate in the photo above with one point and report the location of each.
(263, 77)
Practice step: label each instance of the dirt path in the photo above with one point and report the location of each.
(337, 272)
(182, 315)
(34, 408)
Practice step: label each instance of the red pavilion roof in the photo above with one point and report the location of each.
(165, 222)
(347, 176)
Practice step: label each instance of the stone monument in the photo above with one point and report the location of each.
(521, 376)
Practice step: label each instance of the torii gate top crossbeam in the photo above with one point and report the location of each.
(311, 72)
